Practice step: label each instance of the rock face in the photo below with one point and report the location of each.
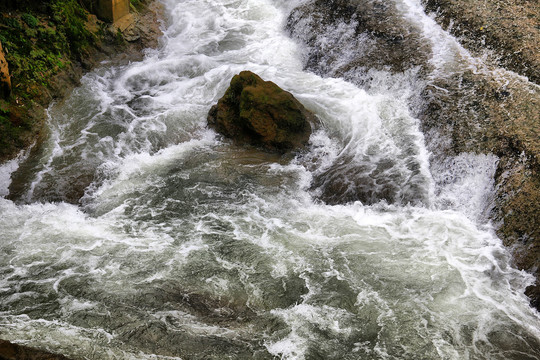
(505, 121)
(345, 38)
(501, 118)
(508, 28)
(480, 112)
(5, 79)
(260, 113)
(10, 351)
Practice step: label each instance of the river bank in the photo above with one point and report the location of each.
(24, 112)
(48, 62)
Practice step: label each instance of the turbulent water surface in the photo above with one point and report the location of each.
(184, 246)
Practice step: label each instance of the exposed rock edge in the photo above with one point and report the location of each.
(508, 120)
(11, 351)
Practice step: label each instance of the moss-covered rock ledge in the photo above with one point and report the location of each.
(48, 46)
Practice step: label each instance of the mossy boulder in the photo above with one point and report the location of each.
(260, 113)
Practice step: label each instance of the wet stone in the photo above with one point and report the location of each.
(260, 113)
(11, 351)
(344, 37)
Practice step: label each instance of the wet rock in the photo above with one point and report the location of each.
(462, 111)
(260, 113)
(508, 28)
(488, 114)
(10, 351)
(367, 180)
(344, 36)
(5, 78)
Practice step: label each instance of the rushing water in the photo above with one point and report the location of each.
(186, 246)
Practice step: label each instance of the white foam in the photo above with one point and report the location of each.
(465, 183)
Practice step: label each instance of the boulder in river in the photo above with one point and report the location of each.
(260, 113)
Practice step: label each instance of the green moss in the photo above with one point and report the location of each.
(30, 20)
(39, 39)
(71, 20)
(260, 113)
(13, 23)
(50, 40)
(11, 134)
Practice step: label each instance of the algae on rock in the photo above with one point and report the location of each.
(260, 113)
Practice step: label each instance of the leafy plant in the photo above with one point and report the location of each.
(13, 23)
(71, 20)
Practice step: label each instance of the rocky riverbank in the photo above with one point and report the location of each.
(23, 105)
(506, 122)
(62, 41)
(507, 29)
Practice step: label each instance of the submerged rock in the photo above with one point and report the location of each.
(260, 113)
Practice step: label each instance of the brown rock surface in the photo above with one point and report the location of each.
(509, 28)
(499, 113)
(260, 113)
(5, 78)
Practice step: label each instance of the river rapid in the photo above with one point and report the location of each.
(185, 246)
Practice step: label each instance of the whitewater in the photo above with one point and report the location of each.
(181, 245)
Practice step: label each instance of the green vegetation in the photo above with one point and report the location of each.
(38, 45)
(136, 4)
(12, 129)
(30, 20)
(39, 39)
